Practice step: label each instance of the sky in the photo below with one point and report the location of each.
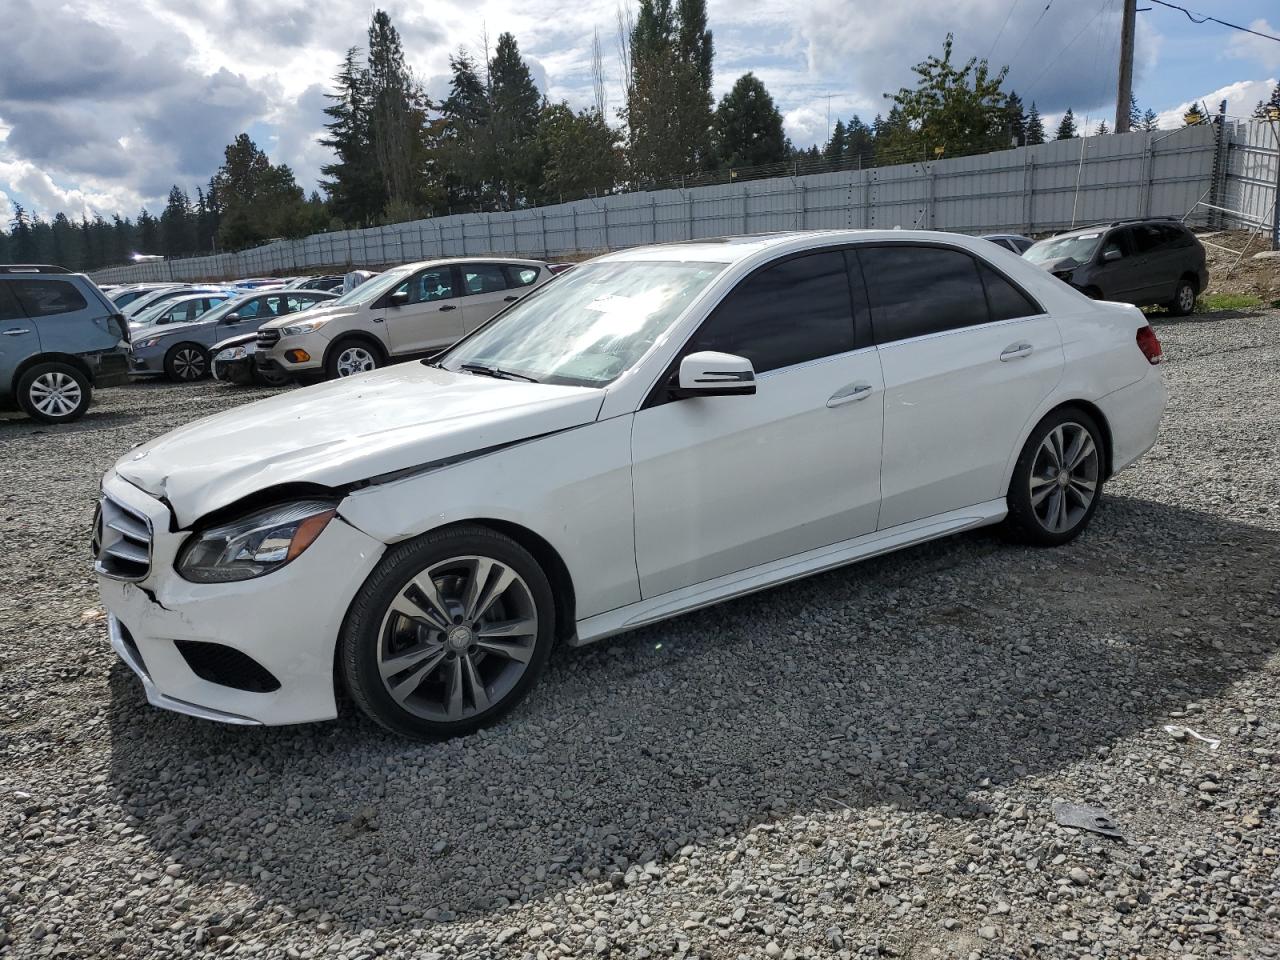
(106, 104)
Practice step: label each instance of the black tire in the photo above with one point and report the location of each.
(186, 363)
(373, 634)
(54, 392)
(1184, 298)
(1034, 518)
(265, 377)
(337, 360)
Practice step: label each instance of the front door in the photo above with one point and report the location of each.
(722, 484)
(967, 358)
(19, 338)
(430, 318)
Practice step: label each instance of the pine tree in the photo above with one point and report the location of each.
(465, 145)
(1268, 109)
(1193, 116)
(1067, 128)
(1102, 129)
(1015, 120)
(353, 180)
(148, 233)
(23, 241)
(176, 228)
(515, 105)
(749, 127)
(1149, 120)
(397, 116)
(859, 145)
(64, 249)
(582, 154)
(257, 199)
(1035, 126)
(836, 145)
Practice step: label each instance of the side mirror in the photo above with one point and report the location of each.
(1111, 254)
(233, 318)
(398, 299)
(711, 374)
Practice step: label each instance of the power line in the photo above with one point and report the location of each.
(1000, 32)
(1014, 58)
(1205, 18)
(1069, 45)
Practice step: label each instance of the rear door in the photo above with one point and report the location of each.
(485, 291)
(66, 320)
(19, 337)
(431, 318)
(1120, 278)
(967, 357)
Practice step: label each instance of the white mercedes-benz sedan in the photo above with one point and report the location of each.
(656, 430)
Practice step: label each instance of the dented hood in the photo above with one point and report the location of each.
(345, 431)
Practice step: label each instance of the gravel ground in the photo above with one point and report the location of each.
(861, 764)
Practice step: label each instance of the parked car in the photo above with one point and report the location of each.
(59, 338)
(411, 311)
(232, 362)
(332, 282)
(156, 297)
(1010, 241)
(181, 309)
(656, 431)
(1153, 262)
(124, 296)
(181, 351)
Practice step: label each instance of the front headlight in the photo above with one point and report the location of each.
(306, 326)
(254, 545)
(144, 344)
(232, 353)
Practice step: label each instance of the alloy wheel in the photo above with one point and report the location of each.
(353, 360)
(1064, 477)
(55, 394)
(188, 364)
(457, 638)
(1186, 298)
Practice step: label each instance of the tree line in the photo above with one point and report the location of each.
(495, 142)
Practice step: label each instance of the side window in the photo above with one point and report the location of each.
(482, 278)
(1005, 301)
(1172, 236)
(1118, 241)
(48, 298)
(1146, 238)
(430, 285)
(521, 276)
(9, 308)
(252, 309)
(920, 290)
(791, 312)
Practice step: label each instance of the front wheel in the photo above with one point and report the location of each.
(186, 363)
(349, 357)
(54, 393)
(448, 634)
(1057, 480)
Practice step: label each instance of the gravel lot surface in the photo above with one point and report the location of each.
(861, 764)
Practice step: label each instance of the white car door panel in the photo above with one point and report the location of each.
(726, 483)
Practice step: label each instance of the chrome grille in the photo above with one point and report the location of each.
(121, 541)
(268, 338)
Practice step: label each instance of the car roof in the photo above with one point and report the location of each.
(735, 249)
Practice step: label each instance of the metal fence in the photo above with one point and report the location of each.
(1252, 174)
(1029, 190)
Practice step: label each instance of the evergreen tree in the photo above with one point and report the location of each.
(836, 145)
(582, 154)
(749, 127)
(515, 105)
(1067, 128)
(1149, 120)
(859, 144)
(121, 241)
(1015, 120)
(176, 228)
(1035, 126)
(67, 247)
(22, 239)
(148, 233)
(953, 110)
(353, 180)
(397, 117)
(465, 143)
(261, 200)
(1193, 116)
(1102, 130)
(1268, 109)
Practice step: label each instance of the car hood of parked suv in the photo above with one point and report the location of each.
(358, 428)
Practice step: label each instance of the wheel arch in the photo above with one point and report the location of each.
(1086, 406)
(549, 559)
(360, 336)
(49, 357)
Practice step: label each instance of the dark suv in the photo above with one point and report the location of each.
(59, 338)
(1152, 262)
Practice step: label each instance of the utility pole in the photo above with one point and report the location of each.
(1124, 89)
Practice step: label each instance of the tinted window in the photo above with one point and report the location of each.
(47, 298)
(1119, 241)
(252, 309)
(521, 276)
(483, 278)
(920, 290)
(9, 309)
(1004, 299)
(788, 313)
(1148, 238)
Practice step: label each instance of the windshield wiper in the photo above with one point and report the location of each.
(487, 371)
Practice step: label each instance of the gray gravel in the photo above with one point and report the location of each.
(862, 764)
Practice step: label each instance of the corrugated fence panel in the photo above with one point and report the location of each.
(1029, 190)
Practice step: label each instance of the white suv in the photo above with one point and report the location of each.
(410, 311)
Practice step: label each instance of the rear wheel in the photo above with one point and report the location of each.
(448, 634)
(1184, 298)
(1057, 480)
(186, 363)
(349, 357)
(54, 393)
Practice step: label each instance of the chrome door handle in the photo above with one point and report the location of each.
(1016, 350)
(16, 333)
(854, 391)
(448, 306)
(510, 299)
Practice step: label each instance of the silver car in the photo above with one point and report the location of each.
(181, 351)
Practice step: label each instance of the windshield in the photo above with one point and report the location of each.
(1079, 248)
(372, 289)
(588, 326)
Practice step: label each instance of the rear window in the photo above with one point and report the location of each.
(921, 290)
(47, 298)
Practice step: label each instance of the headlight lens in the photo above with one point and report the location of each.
(232, 353)
(298, 329)
(144, 344)
(256, 544)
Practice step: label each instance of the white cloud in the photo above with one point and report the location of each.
(1241, 99)
(1260, 50)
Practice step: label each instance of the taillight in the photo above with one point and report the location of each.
(1149, 344)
